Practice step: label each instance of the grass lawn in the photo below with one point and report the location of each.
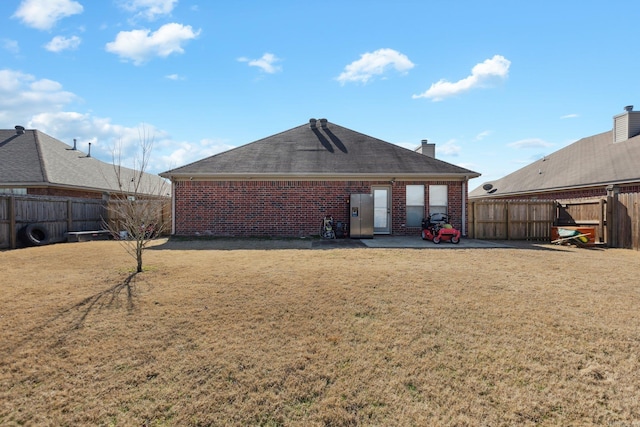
(542, 335)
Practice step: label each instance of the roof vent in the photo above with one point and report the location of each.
(323, 123)
(312, 123)
(19, 130)
(74, 145)
(628, 108)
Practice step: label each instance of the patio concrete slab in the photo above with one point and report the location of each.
(399, 242)
(417, 243)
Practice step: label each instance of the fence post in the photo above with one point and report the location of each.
(601, 220)
(69, 216)
(12, 221)
(612, 215)
(506, 219)
(635, 221)
(529, 226)
(471, 220)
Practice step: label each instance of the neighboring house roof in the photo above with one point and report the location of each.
(30, 158)
(316, 151)
(594, 161)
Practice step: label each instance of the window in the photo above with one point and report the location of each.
(438, 199)
(13, 191)
(415, 205)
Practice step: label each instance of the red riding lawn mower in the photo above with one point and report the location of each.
(437, 229)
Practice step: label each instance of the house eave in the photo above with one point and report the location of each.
(49, 185)
(319, 176)
(602, 184)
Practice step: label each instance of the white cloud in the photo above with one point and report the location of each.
(22, 96)
(530, 143)
(468, 165)
(60, 43)
(44, 14)
(266, 63)
(373, 64)
(449, 148)
(46, 85)
(483, 135)
(482, 74)
(11, 46)
(41, 104)
(570, 116)
(141, 45)
(174, 154)
(174, 77)
(149, 9)
(104, 136)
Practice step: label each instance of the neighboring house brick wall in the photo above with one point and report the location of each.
(64, 192)
(284, 208)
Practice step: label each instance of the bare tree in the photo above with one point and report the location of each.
(136, 212)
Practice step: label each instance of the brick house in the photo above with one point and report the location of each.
(585, 169)
(285, 184)
(34, 163)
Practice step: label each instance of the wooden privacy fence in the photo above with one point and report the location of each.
(157, 211)
(623, 211)
(511, 219)
(584, 213)
(615, 218)
(56, 215)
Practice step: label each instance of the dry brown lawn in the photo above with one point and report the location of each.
(540, 335)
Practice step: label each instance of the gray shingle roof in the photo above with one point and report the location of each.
(324, 151)
(19, 158)
(591, 161)
(35, 159)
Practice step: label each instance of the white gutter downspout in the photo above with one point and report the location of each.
(464, 205)
(173, 208)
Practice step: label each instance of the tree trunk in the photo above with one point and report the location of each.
(139, 257)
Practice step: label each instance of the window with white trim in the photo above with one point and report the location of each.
(415, 205)
(13, 191)
(438, 199)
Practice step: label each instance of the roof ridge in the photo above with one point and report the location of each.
(43, 168)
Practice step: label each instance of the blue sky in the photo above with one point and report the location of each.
(494, 84)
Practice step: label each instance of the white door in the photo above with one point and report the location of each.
(381, 210)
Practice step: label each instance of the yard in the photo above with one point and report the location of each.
(540, 334)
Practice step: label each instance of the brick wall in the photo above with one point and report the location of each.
(285, 208)
(64, 192)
